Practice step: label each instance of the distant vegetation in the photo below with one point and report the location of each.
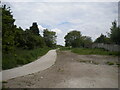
(90, 51)
(75, 39)
(22, 46)
(113, 36)
(77, 43)
(22, 56)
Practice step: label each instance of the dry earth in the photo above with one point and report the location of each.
(72, 71)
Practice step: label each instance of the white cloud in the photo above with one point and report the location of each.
(41, 28)
(58, 31)
(61, 0)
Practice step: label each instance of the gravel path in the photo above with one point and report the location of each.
(41, 64)
(72, 71)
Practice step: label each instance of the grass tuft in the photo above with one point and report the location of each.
(110, 63)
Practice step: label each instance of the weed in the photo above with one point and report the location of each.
(4, 82)
(110, 63)
(60, 70)
(118, 64)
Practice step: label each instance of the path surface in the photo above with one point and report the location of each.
(41, 64)
(69, 71)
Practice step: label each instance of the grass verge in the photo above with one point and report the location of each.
(89, 51)
(21, 57)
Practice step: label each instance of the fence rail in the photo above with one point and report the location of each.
(110, 47)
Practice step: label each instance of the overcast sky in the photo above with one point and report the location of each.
(91, 18)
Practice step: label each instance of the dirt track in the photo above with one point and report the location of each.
(72, 71)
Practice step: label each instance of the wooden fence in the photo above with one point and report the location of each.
(110, 47)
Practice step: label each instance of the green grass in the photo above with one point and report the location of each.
(21, 57)
(118, 64)
(90, 51)
(86, 51)
(65, 48)
(110, 63)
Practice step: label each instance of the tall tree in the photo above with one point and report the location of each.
(8, 29)
(115, 33)
(73, 38)
(49, 37)
(34, 28)
(103, 39)
(87, 41)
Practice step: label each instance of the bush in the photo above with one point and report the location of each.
(21, 57)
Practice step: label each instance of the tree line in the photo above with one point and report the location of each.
(75, 39)
(113, 36)
(13, 37)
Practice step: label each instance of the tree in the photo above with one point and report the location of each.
(49, 37)
(103, 39)
(34, 28)
(8, 29)
(87, 41)
(28, 40)
(73, 38)
(115, 33)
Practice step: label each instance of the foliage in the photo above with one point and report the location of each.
(22, 56)
(8, 30)
(103, 39)
(75, 39)
(34, 29)
(115, 33)
(50, 38)
(28, 40)
(87, 41)
(21, 46)
(72, 38)
(113, 36)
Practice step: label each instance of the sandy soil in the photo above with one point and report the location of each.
(69, 71)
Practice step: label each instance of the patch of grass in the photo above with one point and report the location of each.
(65, 48)
(21, 57)
(60, 70)
(118, 64)
(83, 61)
(110, 63)
(96, 63)
(88, 51)
(4, 82)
